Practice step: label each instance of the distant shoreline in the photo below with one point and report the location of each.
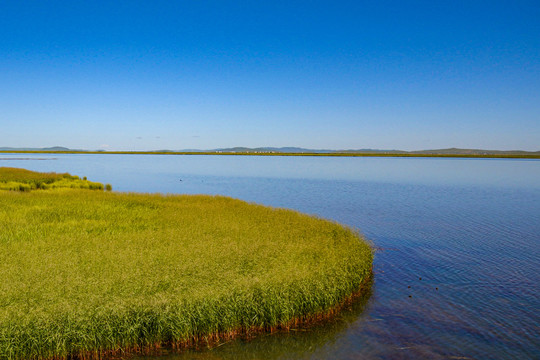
(332, 154)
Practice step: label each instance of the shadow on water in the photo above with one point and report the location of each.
(298, 343)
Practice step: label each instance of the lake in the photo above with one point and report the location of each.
(457, 262)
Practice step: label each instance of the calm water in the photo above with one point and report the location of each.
(457, 267)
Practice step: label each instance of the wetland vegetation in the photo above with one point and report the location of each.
(16, 179)
(90, 273)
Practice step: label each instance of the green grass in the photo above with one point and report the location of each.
(89, 273)
(15, 179)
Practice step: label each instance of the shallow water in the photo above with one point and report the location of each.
(457, 269)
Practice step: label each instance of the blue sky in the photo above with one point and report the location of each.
(143, 75)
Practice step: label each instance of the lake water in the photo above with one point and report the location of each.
(457, 266)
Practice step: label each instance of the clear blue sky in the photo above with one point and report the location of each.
(142, 75)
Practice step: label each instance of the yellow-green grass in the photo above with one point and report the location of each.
(16, 179)
(86, 273)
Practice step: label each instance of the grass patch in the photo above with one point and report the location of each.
(85, 274)
(15, 179)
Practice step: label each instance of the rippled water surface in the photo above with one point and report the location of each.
(457, 266)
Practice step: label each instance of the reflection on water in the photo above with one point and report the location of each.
(457, 270)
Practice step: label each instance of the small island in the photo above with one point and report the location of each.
(95, 273)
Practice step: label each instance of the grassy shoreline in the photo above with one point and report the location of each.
(91, 273)
(16, 179)
(340, 154)
(206, 341)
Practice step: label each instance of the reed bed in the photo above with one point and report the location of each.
(16, 179)
(85, 274)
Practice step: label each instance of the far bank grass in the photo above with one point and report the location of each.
(335, 154)
(90, 273)
(16, 179)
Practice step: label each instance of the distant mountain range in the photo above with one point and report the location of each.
(297, 150)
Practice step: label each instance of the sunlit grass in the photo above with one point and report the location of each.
(15, 179)
(87, 273)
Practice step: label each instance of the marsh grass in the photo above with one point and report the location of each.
(86, 274)
(15, 179)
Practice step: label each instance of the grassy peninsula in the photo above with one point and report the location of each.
(16, 179)
(91, 273)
